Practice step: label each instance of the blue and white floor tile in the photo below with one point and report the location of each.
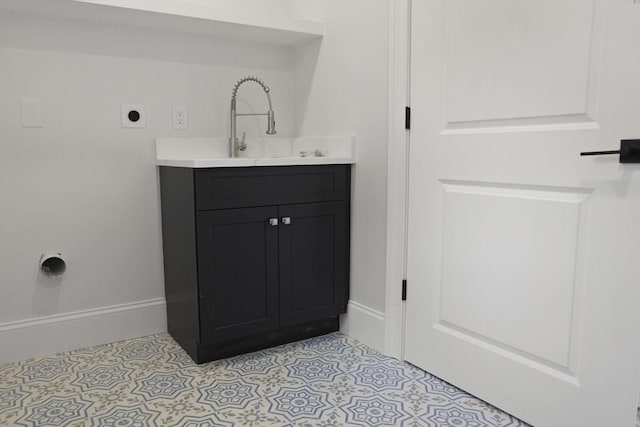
(328, 381)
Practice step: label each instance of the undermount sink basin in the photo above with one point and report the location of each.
(214, 152)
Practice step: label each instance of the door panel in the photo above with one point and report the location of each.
(312, 262)
(237, 267)
(523, 290)
(521, 244)
(517, 59)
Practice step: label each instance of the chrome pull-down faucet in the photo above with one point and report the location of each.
(234, 144)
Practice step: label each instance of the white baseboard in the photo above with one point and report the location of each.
(364, 324)
(25, 339)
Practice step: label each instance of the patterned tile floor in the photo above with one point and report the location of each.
(326, 381)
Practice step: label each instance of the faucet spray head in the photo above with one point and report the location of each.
(271, 123)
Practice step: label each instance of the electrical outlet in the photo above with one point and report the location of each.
(180, 117)
(133, 116)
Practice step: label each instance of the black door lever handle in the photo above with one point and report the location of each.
(629, 151)
(599, 153)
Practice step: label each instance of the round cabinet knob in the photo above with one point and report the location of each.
(273, 222)
(286, 220)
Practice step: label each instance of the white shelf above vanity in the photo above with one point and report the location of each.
(184, 16)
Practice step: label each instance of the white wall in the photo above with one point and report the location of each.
(261, 7)
(265, 7)
(341, 87)
(86, 187)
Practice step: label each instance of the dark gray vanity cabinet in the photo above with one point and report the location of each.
(255, 256)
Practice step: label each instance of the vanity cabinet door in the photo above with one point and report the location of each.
(313, 261)
(238, 272)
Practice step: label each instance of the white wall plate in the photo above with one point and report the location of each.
(133, 116)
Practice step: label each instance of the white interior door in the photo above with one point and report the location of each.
(523, 256)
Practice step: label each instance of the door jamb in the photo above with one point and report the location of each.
(397, 175)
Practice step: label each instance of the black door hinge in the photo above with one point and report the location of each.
(407, 117)
(404, 290)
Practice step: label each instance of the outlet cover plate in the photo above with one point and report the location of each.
(180, 117)
(134, 116)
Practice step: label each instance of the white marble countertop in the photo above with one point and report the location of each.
(238, 162)
(213, 152)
